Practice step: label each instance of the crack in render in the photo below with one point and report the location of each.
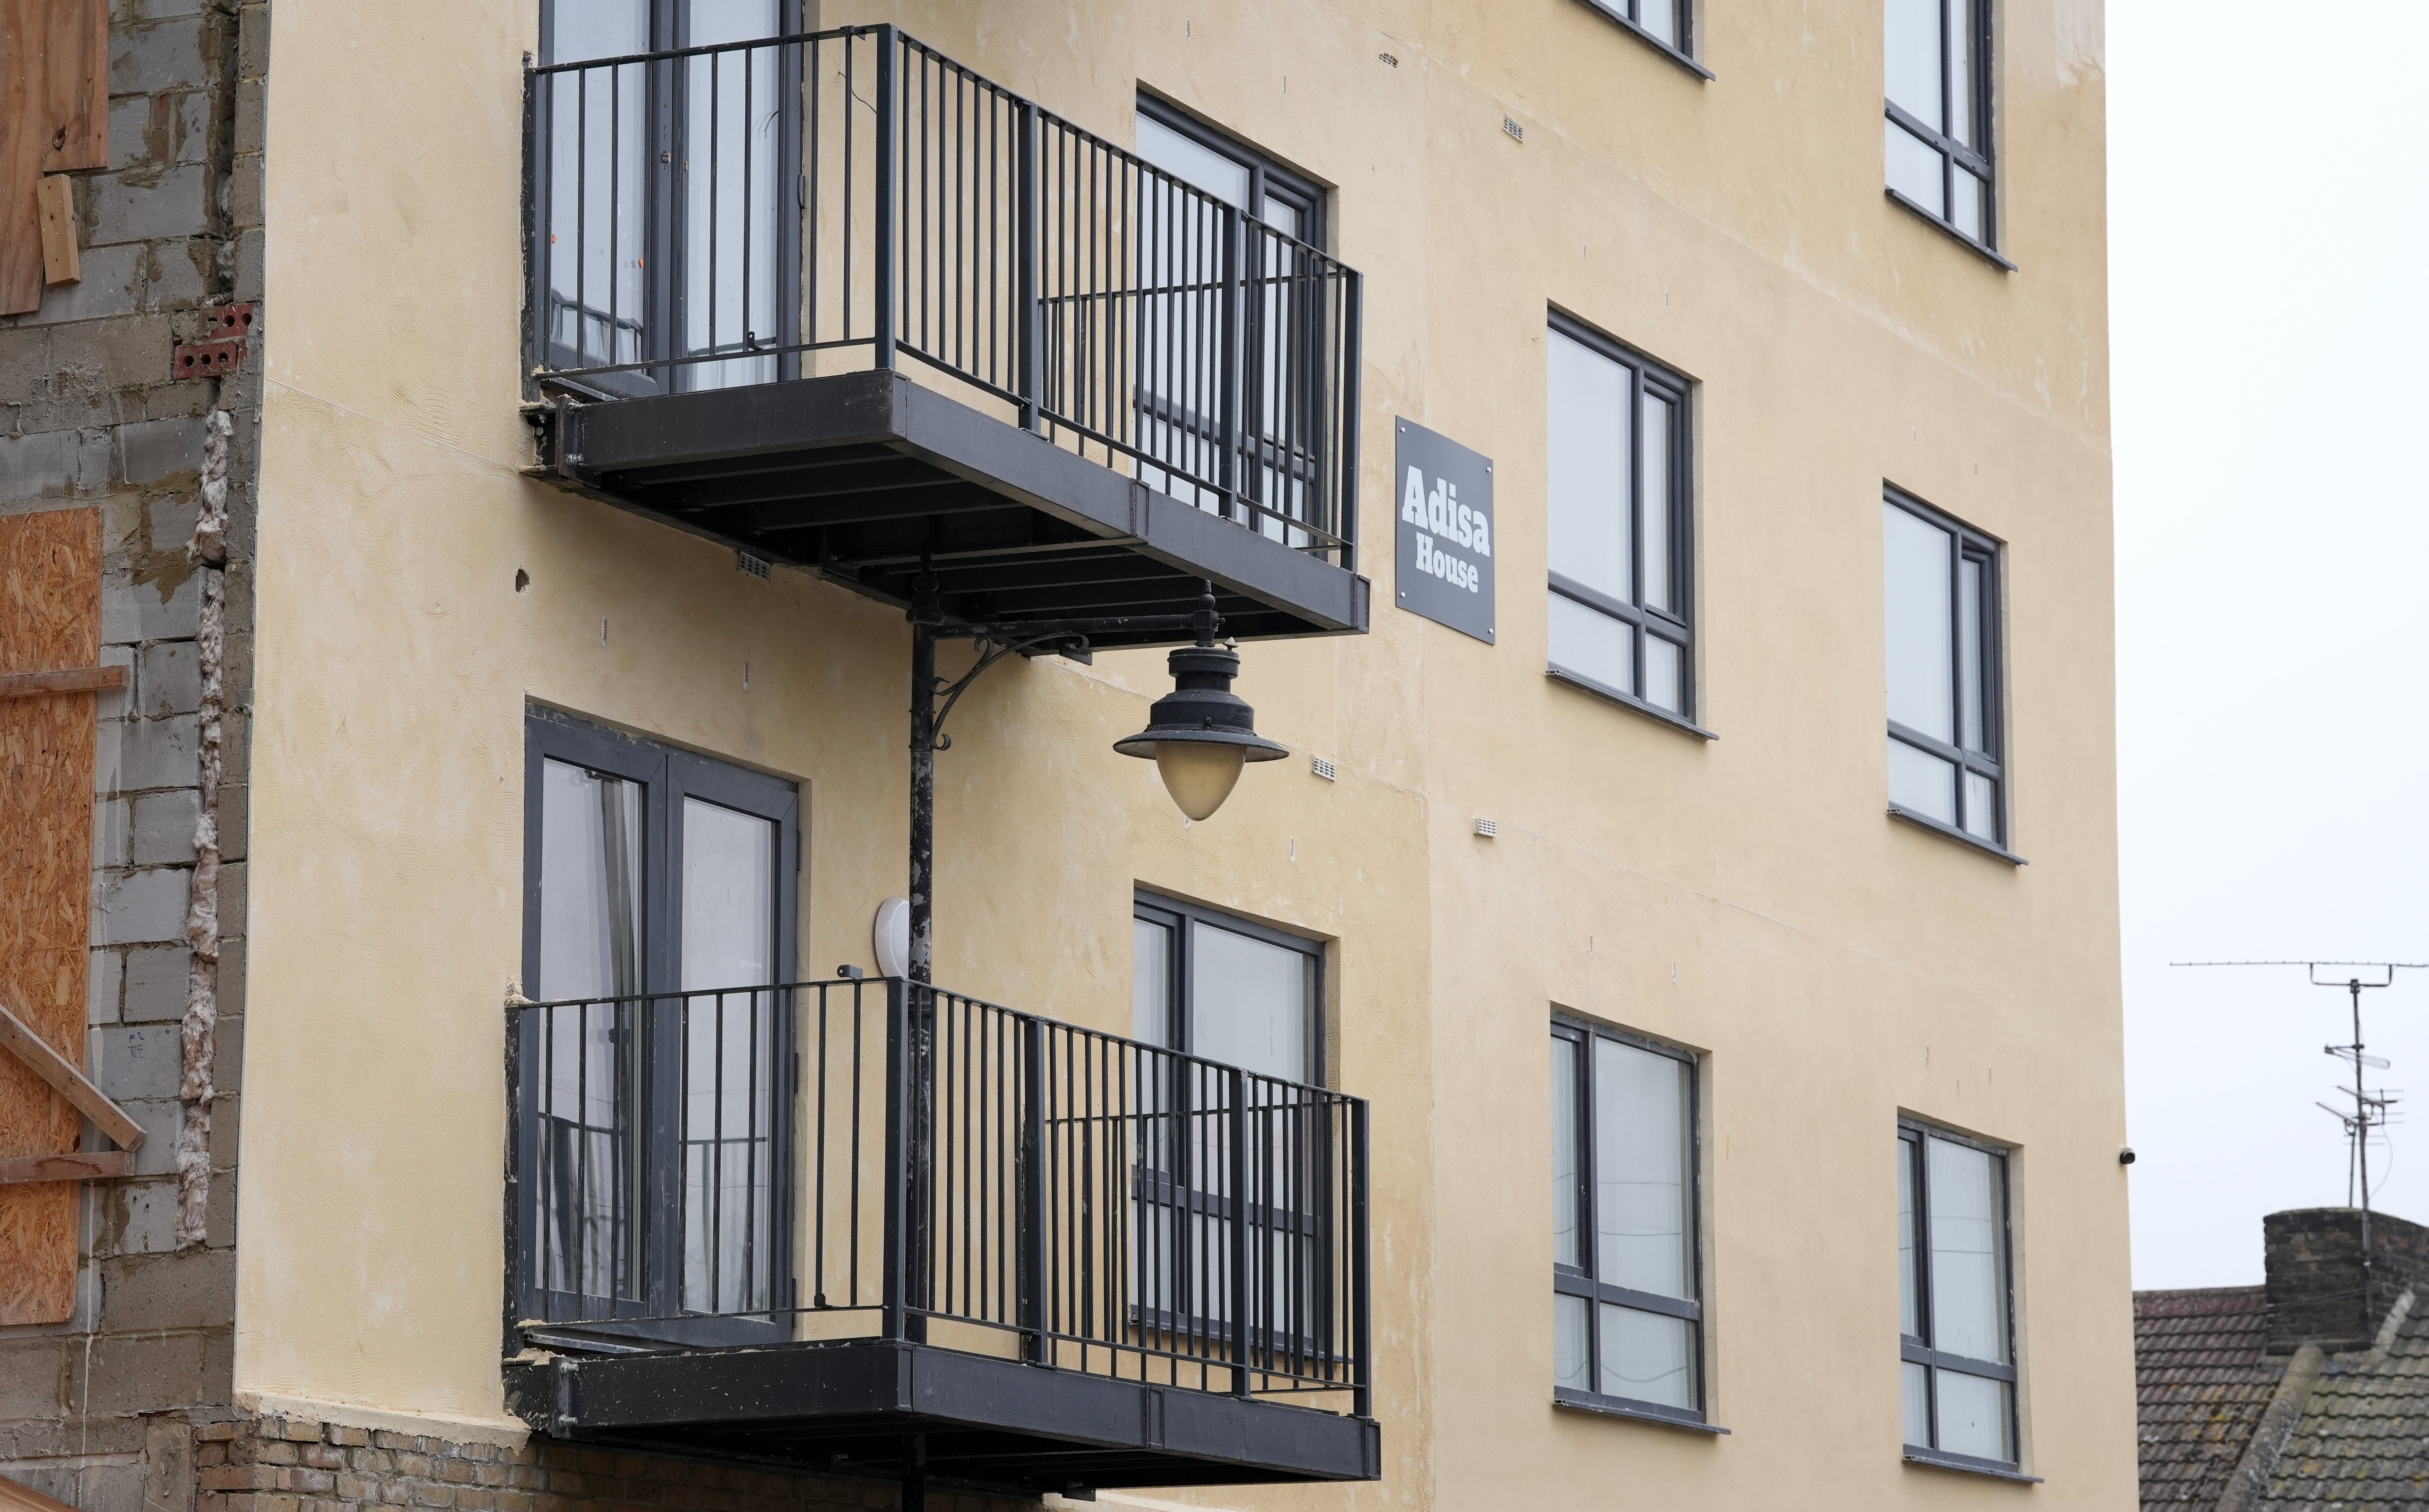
(198, 1030)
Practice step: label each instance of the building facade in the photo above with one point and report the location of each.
(1650, 1033)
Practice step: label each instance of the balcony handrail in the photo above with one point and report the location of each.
(1122, 1208)
(934, 214)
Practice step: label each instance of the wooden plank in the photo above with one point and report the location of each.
(54, 199)
(68, 1081)
(17, 1497)
(91, 1165)
(74, 679)
(54, 116)
(50, 617)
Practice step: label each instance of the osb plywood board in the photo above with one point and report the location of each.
(50, 620)
(54, 116)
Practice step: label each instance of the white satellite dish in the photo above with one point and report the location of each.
(891, 936)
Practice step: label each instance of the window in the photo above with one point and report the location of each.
(660, 1138)
(1236, 994)
(1626, 1293)
(1958, 1348)
(1227, 990)
(1938, 134)
(668, 240)
(1941, 586)
(1179, 371)
(1616, 486)
(1662, 21)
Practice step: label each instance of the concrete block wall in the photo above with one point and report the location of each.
(100, 1413)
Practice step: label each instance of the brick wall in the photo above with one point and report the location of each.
(100, 1413)
(286, 1465)
(2315, 1292)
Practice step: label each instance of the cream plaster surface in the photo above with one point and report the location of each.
(1746, 896)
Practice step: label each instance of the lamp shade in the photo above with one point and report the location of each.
(1201, 732)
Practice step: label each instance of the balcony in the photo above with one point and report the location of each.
(889, 1230)
(838, 301)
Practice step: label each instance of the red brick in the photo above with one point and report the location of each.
(386, 1440)
(429, 1495)
(417, 1465)
(302, 1430)
(348, 1437)
(276, 1451)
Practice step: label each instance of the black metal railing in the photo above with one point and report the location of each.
(757, 211)
(875, 1159)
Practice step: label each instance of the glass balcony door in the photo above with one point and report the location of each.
(671, 247)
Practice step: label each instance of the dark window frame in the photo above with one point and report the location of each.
(668, 775)
(1954, 154)
(1911, 1133)
(1178, 915)
(1967, 544)
(1677, 626)
(1625, 14)
(1581, 1280)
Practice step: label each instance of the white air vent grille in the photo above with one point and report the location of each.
(1488, 828)
(1322, 769)
(756, 565)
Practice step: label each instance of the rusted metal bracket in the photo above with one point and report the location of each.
(87, 1100)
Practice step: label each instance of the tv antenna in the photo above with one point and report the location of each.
(2370, 1109)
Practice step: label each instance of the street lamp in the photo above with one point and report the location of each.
(1201, 732)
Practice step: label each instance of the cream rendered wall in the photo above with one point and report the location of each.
(1746, 896)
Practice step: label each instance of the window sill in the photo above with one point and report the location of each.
(1968, 1465)
(1620, 1407)
(1615, 14)
(1923, 821)
(1952, 233)
(1629, 700)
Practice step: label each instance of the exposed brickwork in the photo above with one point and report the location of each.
(101, 1412)
(287, 1465)
(2315, 1275)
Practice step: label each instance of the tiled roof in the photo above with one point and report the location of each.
(2362, 1443)
(2201, 1384)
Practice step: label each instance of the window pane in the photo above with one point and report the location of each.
(1192, 162)
(598, 28)
(1917, 1404)
(729, 883)
(729, 940)
(1969, 1282)
(1662, 675)
(1592, 644)
(1921, 782)
(1661, 18)
(1566, 1243)
(1914, 168)
(1965, 212)
(1974, 1416)
(1915, 572)
(1569, 1346)
(1661, 566)
(1251, 1003)
(1911, 71)
(590, 884)
(1909, 1284)
(1981, 807)
(1586, 468)
(1151, 982)
(1970, 725)
(1960, 73)
(1648, 1356)
(1642, 1239)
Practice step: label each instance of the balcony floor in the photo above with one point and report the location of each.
(856, 476)
(855, 1408)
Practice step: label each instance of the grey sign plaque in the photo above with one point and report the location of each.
(1445, 497)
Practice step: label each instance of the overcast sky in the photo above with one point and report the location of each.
(2268, 217)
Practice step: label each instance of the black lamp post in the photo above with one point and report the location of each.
(1201, 732)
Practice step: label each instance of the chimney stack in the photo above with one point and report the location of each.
(2318, 1292)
